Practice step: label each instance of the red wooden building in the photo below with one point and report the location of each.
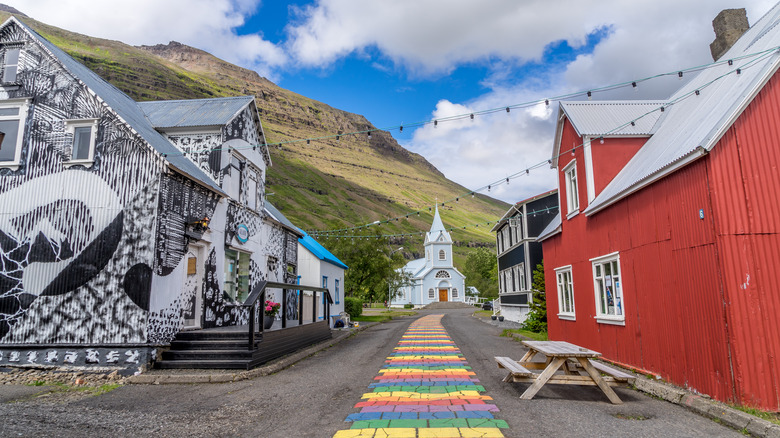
(666, 252)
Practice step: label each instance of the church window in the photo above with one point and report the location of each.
(442, 255)
(442, 274)
(431, 294)
(454, 292)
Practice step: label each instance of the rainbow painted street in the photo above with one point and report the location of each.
(425, 389)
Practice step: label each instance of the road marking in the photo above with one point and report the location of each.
(425, 390)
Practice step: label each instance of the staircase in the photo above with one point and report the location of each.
(228, 347)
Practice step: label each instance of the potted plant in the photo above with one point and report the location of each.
(269, 313)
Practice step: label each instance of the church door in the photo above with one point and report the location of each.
(442, 294)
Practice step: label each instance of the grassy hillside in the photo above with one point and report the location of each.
(327, 184)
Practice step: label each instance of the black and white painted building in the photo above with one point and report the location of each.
(518, 251)
(122, 223)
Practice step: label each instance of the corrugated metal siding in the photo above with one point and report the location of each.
(194, 112)
(602, 117)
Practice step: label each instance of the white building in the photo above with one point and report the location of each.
(319, 267)
(433, 278)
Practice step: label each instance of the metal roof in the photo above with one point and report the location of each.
(599, 118)
(513, 210)
(195, 112)
(279, 217)
(125, 107)
(693, 124)
(320, 251)
(553, 228)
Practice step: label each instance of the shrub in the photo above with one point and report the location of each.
(353, 306)
(536, 321)
(409, 306)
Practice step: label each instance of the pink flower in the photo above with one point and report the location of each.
(268, 308)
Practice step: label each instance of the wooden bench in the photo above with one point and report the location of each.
(515, 369)
(618, 375)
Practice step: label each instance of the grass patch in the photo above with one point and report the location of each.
(772, 417)
(84, 389)
(525, 333)
(483, 312)
(383, 316)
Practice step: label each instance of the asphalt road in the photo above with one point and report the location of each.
(313, 397)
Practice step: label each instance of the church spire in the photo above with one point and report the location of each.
(437, 230)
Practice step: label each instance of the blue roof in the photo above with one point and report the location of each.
(125, 107)
(319, 251)
(194, 112)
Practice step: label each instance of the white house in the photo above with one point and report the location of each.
(318, 266)
(433, 278)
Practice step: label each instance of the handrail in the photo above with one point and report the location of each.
(258, 294)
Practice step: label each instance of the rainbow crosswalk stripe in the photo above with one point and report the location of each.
(426, 389)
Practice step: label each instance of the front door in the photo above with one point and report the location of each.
(442, 294)
(192, 293)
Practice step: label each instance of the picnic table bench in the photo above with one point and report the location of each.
(566, 357)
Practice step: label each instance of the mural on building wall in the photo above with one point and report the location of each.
(76, 253)
(202, 149)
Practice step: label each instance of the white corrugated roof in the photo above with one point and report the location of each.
(613, 118)
(693, 124)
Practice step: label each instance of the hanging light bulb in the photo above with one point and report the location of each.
(601, 140)
(697, 92)
(472, 116)
(633, 84)
(369, 135)
(731, 62)
(507, 180)
(739, 71)
(401, 128)
(527, 171)
(679, 75)
(435, 123)
(488, 188)
(662, 109)
(632, 123)
(590, 95)
(308, 141)
(507, 109)
(546, 102)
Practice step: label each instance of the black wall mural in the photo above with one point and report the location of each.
(201, 149)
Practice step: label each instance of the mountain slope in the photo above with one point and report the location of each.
(322, 184)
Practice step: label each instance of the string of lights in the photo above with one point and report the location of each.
(697, 92)
(471, 115)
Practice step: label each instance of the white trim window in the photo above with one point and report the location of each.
(336, 286)
(442, 255)
(11, 59)
(610, 308)
(572, 194)
(84, 134)
(454, 293)
(13, 114)
(431, 294)
(565, 292)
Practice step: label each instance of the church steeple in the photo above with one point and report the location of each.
(437, 234)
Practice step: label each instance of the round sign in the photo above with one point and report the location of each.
(242, 233)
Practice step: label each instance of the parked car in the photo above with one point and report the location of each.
(487, 305)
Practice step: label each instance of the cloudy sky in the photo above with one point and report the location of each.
(406, 61)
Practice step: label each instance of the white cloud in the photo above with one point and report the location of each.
(206, 24)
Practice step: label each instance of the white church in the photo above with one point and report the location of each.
(433, 278)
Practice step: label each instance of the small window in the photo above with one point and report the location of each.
(84, 132)
(454, 292)
(565, 292)
(232, 184)
(431, 294)
(498, 243)
(608, 289)
(336, 287)
(572, 194)
(11, 65)
(252, 189)
(325, 281)
(427, 255)
(442, 255)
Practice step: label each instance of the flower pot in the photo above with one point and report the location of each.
(500, 318)
(268, 321)
(493, 317)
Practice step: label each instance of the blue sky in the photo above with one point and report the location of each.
(410, 61)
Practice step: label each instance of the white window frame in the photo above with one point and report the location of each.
(23, 105)
(19, 47)
(253, 187)
(572, 196)
(442, 254)
(336, 288)
(70, 128)
(431, 294)
(454, 293)
(616, 281)
(565, 311)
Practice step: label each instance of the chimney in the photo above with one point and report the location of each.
(729, 25)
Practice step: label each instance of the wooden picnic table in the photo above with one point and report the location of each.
(569, 358)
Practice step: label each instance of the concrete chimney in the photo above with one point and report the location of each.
(729, 25)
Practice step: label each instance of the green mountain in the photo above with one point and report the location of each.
(319, 185)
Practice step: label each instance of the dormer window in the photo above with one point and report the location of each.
(13, 113)
(84, 132)
(11, 64)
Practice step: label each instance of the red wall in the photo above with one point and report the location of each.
(610, 157)
(701, 296)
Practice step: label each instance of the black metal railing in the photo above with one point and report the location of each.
(257, 295)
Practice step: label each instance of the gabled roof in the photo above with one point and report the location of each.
(693, 124)
(320, 251)
(515, 209)
(194, 112)
(125, 107)
(414, 267)
(279, 218)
